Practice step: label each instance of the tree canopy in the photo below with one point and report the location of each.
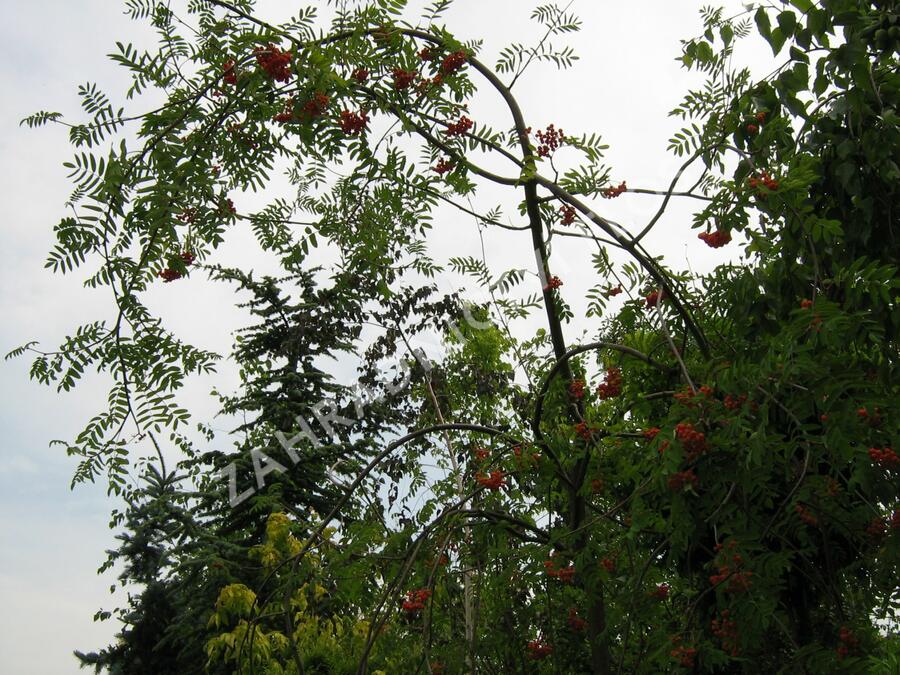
(706, 483)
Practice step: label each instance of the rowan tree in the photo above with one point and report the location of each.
(706, 484)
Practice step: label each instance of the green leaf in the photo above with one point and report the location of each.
(762, 23)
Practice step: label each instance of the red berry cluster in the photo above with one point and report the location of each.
(677, 481)
(651, 433)
(274, 62)
(612, 384)
(482, 454)
(597, 485)
(443, 166)
(752, 129)
(229, 74)
(437, 668)
(353, 122)
(187, 215)
(424, 83)
(609, 565)
(613, 192)
(439, 561)
(494, 481)
(613, 291)
(403, 78)
(576, 623)
(460, 127)
(426, 54)
(763, 179)
(684, 655)
(652, 299)
(360, 74)
(849, 642)
(806, 303)
(734, 402)
(553, 283)
(885, 458)
(661, 592)
(877, 528)
(568, 214)
(694, 441)
(564, 574)
(576, 389)
(715, 239)
(453, 62)
(170, 274)
(726, 630)
(806, 516)
(539, 650)
(761, 116)
(584, 431)
(415, 601)
(730, 570)
(316, 105)
(287, 112)
(550, 139)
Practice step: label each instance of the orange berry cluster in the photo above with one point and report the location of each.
(482, 454)
(415, 601)
(738, 579)
(726, 630)
(612, 384)
(576, 389)
(684, 655)
(613, 192)
(539, 650)
(229, 74)
(734, 402)
(715, 239)
(763, 179)
(453, 62)
(460, 127)
(550, 139)
(885, 458)
(877, 528)
(677, 481)
(443, 166)
(806, 516)
(576, 623)
(170, 274)
(849, 642)
(494, 481)
(564, 574)
(316, 105)
(274, 62)
(352, 122)
(553, 283)
(613, 291)
(584, 431)
(568, 214)
(694, 441)
(661, 592)
(651, 433)
(403, 78)
(652, 299)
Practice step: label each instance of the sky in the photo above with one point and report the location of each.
(52, 539)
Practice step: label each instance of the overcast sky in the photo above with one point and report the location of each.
(52, 539)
